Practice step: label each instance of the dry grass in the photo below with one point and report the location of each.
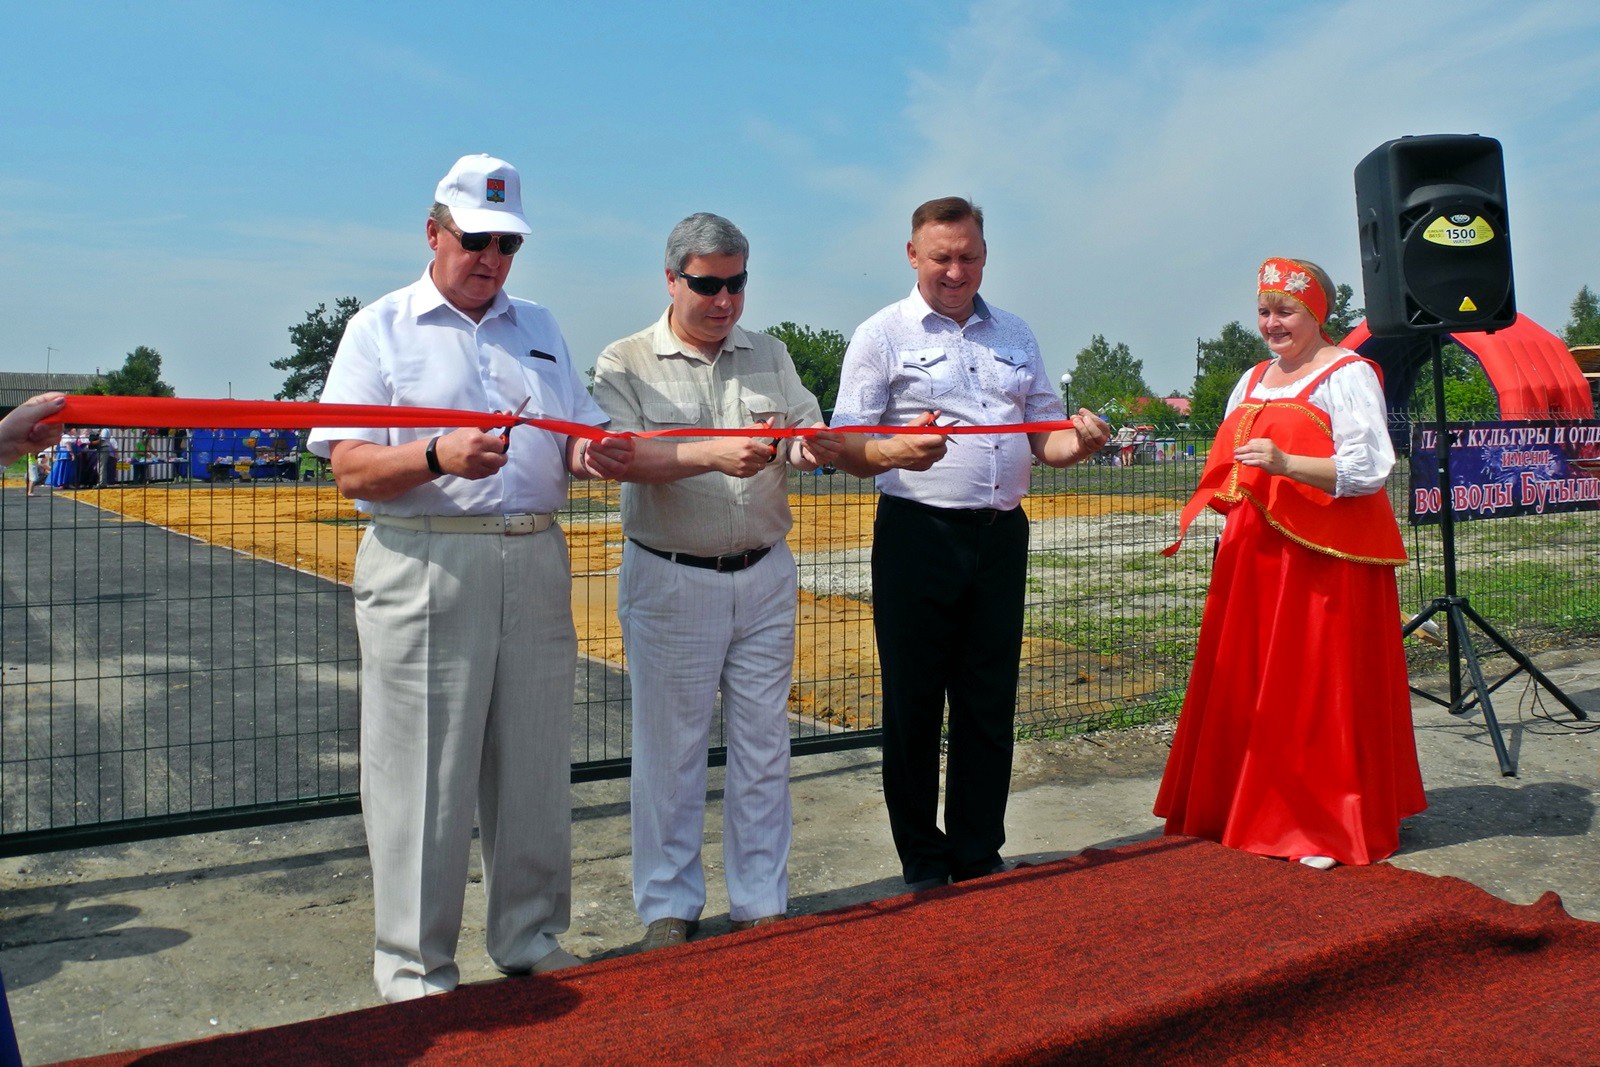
(314, 529)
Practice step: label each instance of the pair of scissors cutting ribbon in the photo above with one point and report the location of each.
(505, 435)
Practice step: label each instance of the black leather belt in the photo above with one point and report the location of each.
(738, 561)
(971, 516)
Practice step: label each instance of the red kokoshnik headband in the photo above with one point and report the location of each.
(1295, 282)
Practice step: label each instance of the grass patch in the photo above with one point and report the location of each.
(1167, 636)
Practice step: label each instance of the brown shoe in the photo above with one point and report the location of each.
(664, 933)
(750, 924)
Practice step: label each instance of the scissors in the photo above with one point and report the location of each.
(505, 435)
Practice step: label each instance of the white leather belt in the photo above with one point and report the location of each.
(505, 525)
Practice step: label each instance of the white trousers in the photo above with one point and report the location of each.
(468, 657)
(689, 632)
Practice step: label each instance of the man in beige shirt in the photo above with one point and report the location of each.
(706, 595)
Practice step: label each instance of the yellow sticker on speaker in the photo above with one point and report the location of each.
(1467, 304)
(1458, 231)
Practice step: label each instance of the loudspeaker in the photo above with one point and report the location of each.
(1435, 243)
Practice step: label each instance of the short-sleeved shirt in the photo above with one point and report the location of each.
(908, 359)
(653, 381)
(413, 348)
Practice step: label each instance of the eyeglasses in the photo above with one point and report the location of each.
(477, 242)
(711, 285)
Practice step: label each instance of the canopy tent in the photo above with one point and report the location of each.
(1530, 369)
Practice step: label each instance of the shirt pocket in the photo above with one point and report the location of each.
(670, 413)
(1015, 376)
(667, 406)
(759, 407)
(927, 373)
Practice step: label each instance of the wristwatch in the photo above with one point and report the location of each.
(432, 456)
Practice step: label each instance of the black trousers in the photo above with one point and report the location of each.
(948, 589)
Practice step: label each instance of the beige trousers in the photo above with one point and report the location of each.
(468, 659)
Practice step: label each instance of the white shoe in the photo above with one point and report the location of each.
(1321, 863)
(556, 960)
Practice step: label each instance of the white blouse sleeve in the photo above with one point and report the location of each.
(1363, 455)
(1240, 388)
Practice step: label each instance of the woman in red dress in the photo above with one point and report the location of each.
(1295, 738)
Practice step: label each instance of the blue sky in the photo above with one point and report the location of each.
(196, 176)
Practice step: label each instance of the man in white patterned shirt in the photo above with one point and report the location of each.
(950, 542)
(706, 593)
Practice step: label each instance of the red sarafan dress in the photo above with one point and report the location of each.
(1295, 737)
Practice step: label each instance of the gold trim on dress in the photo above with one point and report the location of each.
(1324, 549)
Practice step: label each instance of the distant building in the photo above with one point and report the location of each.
(17, 386)
(1141, 406)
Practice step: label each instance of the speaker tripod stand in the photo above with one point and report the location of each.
(1459, 612)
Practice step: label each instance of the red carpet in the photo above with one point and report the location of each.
(1165, 951)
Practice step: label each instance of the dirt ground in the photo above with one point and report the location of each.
(312, 528)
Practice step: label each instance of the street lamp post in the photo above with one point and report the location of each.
(1066, 391)
(47, 351)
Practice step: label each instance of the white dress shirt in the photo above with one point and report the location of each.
(412, 348)
(908, 359)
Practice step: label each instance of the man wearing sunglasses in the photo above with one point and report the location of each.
(462, 594)
(706, 593)
(950, 541)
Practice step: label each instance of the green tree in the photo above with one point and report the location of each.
(140, 376)
(315, 341)
(1222, 360)
(1584, 329)
(1103, 373)
(1342, 318)
(817, 355)
(1468, 396)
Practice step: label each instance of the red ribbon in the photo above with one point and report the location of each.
(173, 412)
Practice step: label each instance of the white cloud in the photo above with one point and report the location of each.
(1141, 214)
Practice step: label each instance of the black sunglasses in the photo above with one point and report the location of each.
(711, 285)
(477, 242)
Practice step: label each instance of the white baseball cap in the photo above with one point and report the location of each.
(484, 195)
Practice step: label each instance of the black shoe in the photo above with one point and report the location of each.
(923, 884)
(998, 868)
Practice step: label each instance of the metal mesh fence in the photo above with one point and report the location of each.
(181, 655)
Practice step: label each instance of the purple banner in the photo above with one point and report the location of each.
(1508, 468)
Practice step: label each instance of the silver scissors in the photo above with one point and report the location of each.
(505, 435)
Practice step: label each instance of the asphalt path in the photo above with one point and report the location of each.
(147, 674)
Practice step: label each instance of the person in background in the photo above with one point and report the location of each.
(106, 459)
(141, 457)
(1295, 739)
(463, 594)
(706, 593)
(950, 542)
(64, 460)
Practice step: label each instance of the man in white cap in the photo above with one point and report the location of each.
(462, 592)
